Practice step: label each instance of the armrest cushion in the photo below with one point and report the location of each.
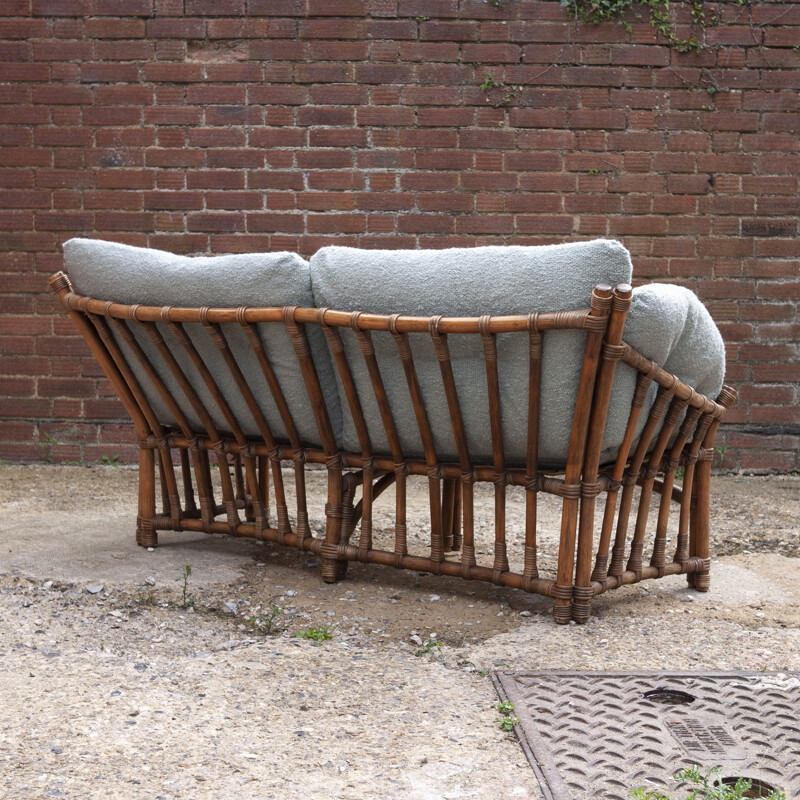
(125, 274)
(668, 324)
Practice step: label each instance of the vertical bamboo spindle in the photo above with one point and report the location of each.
(596, 325)
(392, 436)
(333, 567)
(438, 506)
(612, 353)
(699, 533)
(498, 450)
(459, 434)
(531, 569)
(630, 478)
(643, 382)
(687, 490)
(670, 465)
(336, 346)
(647, 480)
(281, 508)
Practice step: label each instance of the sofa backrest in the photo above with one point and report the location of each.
(666, 323)
(469, 282)
(133, 275)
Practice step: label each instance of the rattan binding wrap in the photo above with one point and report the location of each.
(589, 561)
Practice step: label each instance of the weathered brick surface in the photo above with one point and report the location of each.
(229, 126)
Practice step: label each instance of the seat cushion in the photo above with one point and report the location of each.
(468, 282)
(111, 271)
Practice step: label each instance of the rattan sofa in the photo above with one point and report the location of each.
(509, 365)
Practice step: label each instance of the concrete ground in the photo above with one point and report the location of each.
(113, 686)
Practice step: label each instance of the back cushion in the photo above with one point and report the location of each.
(468, 282)
(124, 274)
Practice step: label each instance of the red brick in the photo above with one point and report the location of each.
(275, 179)
(66, 95)
(336, 223)
(425, 223)
(392, 116)
(338, 137)
(118, 28)
(219, 8)
(600, 119)
(60, 8)
(123, 221)
(167, 28)
(324, 159)
(449, 31)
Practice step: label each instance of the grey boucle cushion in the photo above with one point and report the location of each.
(111, 271)
(469, 282)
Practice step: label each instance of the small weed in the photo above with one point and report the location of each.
(507, 721)
(147, 598)
(48, 443)
(489, 83)
(484, 673)
(509, 92)
(680, 472)
(265, 623)
(796, 48)
(645, 794)
(319, 634)
(421, 19)
(720, 453)
(708, 786)
(595, 171)
(497, 3)
(3, 462)
(429, 646)
(113, 461)
(183, 578)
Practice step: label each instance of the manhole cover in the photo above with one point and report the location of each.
(602, 734)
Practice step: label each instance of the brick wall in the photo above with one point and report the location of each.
(213, 126)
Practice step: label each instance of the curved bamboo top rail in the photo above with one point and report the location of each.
(580, 319)
(400, 323)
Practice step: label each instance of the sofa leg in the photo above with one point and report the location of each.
(699, 524)
(582, 604)
(701, 580)
(562, 614)
(146, 535)
(333, 570)
(562, 608)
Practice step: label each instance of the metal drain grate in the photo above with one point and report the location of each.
(602, 734)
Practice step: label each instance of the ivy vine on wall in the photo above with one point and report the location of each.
(657, 13)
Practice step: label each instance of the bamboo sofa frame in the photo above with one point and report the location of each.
(588, 564)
